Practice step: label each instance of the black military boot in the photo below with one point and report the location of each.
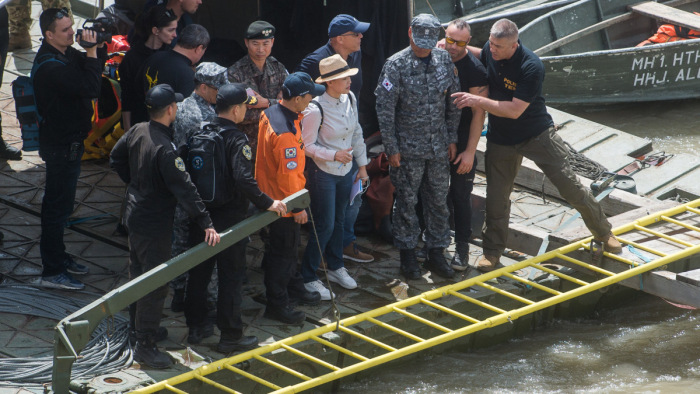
(437, 263)
(200, 332)
(409, 265)
(286, 314)
(229, 344)
(146, 352)
(9, 152)
(160, 335)
(460, 260)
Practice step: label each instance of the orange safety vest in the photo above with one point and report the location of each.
(670, 33)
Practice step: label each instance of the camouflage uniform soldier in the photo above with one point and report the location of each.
(20, 15)
(195, 109)
(262, 73)
(419, 123)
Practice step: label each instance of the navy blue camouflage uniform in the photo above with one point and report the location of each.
(418, 120)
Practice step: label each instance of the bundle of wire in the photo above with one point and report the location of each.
(108, 350)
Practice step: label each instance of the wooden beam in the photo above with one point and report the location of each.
(690, 277)
(667, 14)
(583, 32)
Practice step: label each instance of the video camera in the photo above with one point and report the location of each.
(102, 28)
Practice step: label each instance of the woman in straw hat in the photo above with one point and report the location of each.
(333, 137)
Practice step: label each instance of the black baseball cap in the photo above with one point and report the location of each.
(160, 96)
(234, 94)
(300, 83)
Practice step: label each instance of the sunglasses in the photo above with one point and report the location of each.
(450, 40)
(61, 13)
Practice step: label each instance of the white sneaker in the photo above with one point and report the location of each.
(341, 277)
(320, 288)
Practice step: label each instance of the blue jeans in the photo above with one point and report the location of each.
(351, 212)
(59, 196)
(329, 199)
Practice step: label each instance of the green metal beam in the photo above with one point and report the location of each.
(73, 333)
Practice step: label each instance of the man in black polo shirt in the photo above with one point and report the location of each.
(519, 126)
(472, 79)
(173, 67)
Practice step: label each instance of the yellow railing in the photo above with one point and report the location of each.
(667, 236)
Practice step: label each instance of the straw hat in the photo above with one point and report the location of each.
(334, 67)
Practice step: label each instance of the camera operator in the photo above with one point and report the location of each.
(65, 89)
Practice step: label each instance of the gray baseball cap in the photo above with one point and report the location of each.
(211, 74)
(425, 30)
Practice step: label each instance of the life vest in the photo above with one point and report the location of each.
(671, 33)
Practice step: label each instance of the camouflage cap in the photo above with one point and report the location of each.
(425, 31)
(211, 74)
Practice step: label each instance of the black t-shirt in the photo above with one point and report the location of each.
(471, 74)
(519, 77)
(168, 67)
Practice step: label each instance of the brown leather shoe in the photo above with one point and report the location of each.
(353, 253)
(487, 263)
(611, 244)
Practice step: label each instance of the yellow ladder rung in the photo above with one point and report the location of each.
(215, 384)
(642, 247)
(309, 357)
(505, 293)
(531, 283)
(450, 311)
(584, 265)
(693, 210)
(420, 319)
(664, 236)
(175, 389)
(252, 377)
(339, 348)
(476, 302)
(679, 223)
(396, 330)
(624, 260)
(281, 367)
(366, 338)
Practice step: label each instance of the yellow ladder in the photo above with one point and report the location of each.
(665, 237)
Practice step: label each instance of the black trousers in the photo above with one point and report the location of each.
(147, 251)
(460, 197)
(282, 277)
(231, 266)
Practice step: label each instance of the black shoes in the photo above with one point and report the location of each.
(177, 304)
(409, 265)
(160, 335)
(308, 298)
(198, 333)
(9, 152)
(438, 265)
(285, 315)
(460, 261)
(227, 345)
(146, 352)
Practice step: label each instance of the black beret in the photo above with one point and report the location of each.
(260, 30)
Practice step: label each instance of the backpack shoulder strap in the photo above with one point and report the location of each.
(320, 109)
(43, 60)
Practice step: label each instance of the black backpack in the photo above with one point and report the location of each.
(320, 109)
(206, 164)
(25, 106)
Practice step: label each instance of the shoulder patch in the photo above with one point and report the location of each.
(387, 85)
(179, 164)
(292, 164)
(456, 72)
(247, 152)
(290, 153)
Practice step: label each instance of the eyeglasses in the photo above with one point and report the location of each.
(451, 40)
(351, 34)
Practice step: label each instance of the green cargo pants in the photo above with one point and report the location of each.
(548, 151)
